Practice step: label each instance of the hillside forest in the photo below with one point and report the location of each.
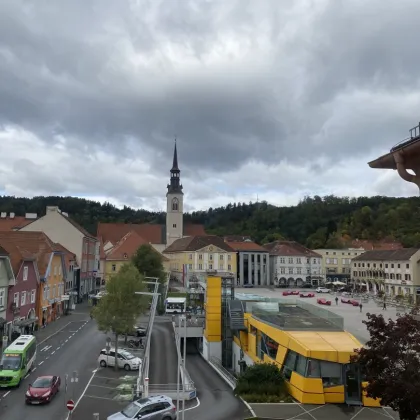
(316, 222)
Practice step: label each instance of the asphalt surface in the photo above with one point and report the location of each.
(74, 348)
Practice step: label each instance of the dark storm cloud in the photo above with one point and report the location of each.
(80, 69)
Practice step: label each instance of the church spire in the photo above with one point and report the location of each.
(175, 160)
(175, 186)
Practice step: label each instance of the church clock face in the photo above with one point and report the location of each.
(210, 248)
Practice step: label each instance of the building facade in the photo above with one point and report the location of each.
(196, 256)
(396, 272)
(336, 263)
(253, 263)
(7, 279)
(293, 265)
(60, 228)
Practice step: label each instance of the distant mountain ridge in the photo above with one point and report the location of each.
(317, 222)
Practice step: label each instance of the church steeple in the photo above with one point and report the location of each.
(175, 186)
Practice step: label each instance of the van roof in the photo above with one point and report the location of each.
(20, 343)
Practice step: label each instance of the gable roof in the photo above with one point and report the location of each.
(13, 223)
(246, 246)
(290, 248)
(114, 232)
(126, 247)
(194, 243)
(191, 229)
(24, 246)
(387, 255)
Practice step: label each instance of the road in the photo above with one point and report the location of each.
(74, 348)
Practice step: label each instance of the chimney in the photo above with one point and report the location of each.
(3, 215)
(12, 215)
(31, 216)
(52, 209)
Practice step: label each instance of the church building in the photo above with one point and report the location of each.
(159, 236)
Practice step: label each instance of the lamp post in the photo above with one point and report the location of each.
(145, 366)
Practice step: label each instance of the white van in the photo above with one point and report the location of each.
(126, 360)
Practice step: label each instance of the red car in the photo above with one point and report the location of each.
(323, 302)
(43, 390)
(291, 293)
(307, 294)
(350, 301)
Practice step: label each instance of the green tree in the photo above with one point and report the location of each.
(149, 262)
(117, 311)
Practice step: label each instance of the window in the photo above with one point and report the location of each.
(210, 266)
(229, 267)
(289, 364)
(282, 260)
(175, 204)
(211, 257)
(298, 260)
(25, 273)
(23, 299)
(301, 365)
(200, 256)
(299, 270)
(114, 267)
(190, 266)
(16, 299)
(200, 266)
(190, 256)
(221, 266)
(33, 296)
(1, 298)
(229, 257)
(313, 369)
(331, 373)
(174, 225)
(290, 270)
(221, 257)
(45, 293)
(290, 260)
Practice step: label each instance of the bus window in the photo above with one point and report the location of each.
(11, 362)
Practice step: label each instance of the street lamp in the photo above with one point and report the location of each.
(181, 361)
(146, 358)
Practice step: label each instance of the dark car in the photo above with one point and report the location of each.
(138, 332)
(43, 390)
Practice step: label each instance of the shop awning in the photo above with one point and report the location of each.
(25, 322)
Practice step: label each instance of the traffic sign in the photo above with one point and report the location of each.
(70, 405)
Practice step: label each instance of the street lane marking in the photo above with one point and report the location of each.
(40, 363)
(66, 340)
(26, 376)
(53, 352)
(58, 347)
(6, 394)
(34, 369)
(46, 348)
(73, 331)
(196, 406)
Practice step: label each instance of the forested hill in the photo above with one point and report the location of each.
(315, 221)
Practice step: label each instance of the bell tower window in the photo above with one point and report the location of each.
(175, 204)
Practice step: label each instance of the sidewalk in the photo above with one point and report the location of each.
(81, 313)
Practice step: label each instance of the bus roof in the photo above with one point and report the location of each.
(176, 300)
(20, 343)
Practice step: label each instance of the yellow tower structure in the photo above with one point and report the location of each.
(212, 340)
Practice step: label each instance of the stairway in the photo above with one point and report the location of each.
(236, 315)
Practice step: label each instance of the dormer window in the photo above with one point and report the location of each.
(175, 204)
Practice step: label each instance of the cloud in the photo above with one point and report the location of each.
(271, 98)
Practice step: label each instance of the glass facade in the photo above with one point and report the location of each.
(227, 334)
(331, 373)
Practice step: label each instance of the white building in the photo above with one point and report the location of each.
(397, 272)
(293, 265)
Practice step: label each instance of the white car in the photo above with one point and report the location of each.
(126, 360)
(322, 290)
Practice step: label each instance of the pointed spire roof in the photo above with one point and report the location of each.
(175, 160)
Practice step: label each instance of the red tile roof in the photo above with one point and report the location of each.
(13, 223)
(371, 245)
(246, 246)
(28, 246)
(194, 230)
(126, 247)
(113, 232)
(290, 248)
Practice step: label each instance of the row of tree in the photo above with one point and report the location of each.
(315, 221)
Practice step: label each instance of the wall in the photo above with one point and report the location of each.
(58, 229)
(4, 284)
(174, 217)
(280, 267)
(108, 268)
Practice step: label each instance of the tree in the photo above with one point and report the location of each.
(391, 363)
(117, 311)
(149, 262)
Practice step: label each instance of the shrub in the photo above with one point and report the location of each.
(261, 379)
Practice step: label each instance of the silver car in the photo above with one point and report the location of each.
(159, 407)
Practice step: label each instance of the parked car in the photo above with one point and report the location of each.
(138, 332)
(126, 360)
(323, 301)
(307, 294)
(159, 407)
(43, 389)
(248, 286)
(323, 290)
(350, 301)
(291, 293)
(307, 286)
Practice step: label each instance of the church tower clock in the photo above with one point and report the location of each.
(174, 204)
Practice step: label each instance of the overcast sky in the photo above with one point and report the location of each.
(276, 99)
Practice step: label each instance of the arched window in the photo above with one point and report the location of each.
(175, 204)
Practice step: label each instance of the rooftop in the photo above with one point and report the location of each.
(290, 248)
(195, 243)
(403, 254)
(246, 246)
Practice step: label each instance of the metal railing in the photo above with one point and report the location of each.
(217, 364)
